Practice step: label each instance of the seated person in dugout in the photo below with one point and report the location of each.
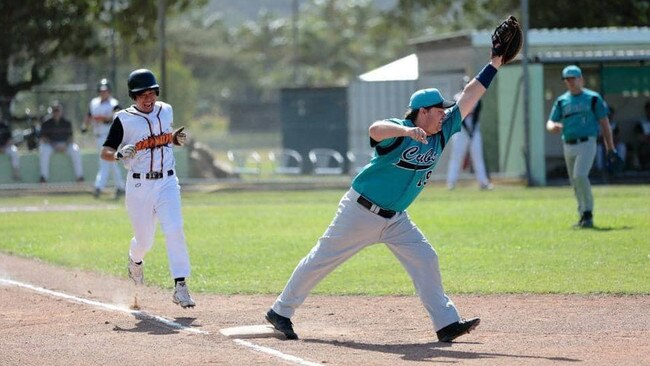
(56, 136)
(620, 146)
(641, 158)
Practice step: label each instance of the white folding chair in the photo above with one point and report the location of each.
(286, 161)
(326, 161)
(245, 161)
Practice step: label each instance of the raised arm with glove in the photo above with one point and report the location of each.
(507, 39)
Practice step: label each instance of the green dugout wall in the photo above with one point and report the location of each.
(511, 128)
(61, 167)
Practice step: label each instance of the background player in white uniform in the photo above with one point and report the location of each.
(142, 137)
(100, 115)
(469, 136)
(374, 209)
(8, 148)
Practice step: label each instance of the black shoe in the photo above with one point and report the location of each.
(586, 220)
(97, 192)
(119, 193)
(457, 329)
(281, 323)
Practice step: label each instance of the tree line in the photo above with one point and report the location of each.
(212, 63)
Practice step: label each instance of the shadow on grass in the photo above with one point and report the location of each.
(605, 228)
(431, 351)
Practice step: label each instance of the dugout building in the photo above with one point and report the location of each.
(615, 62)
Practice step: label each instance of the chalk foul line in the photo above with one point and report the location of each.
(136, 313)
(143, 315)
(271, 351)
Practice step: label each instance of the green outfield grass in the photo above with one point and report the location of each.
(510, 240)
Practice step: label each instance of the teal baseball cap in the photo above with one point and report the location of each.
(571, 71)
(426, 98)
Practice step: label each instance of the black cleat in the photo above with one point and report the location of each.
(281, 323)
(586, 221)
(587, 224)
(457, 329)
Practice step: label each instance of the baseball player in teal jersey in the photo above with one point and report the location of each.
(374, 209)
(578, 114)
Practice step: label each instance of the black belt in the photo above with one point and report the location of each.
(387, 214)
(153, 175)
(576, 141)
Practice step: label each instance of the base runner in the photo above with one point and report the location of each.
(142, 137)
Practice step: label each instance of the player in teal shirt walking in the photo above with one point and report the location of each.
(579, 114)
(374, 209)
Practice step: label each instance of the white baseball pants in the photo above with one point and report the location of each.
(354, 228)
(148, 199)
(460, 142)
(45, 153)
(107, 167)
(12, 151)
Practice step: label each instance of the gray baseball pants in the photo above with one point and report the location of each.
(579, 159)
(354, 227)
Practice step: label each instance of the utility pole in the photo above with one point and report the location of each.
(526, 87)
(295, 9)
(163, 53)
(113, 71)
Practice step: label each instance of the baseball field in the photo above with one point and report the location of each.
(547, 293)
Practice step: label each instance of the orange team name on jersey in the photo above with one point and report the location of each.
(154, 141)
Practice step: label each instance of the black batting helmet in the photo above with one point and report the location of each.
(141, 80)
(103, 85)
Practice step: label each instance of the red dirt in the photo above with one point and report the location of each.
(39, 329)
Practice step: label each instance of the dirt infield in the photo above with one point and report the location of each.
(42, 329)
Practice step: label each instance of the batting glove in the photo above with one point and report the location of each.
(126, 152)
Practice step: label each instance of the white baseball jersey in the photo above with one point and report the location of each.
(104, 109)
(98, 107)
(146, 199)
(151, 133)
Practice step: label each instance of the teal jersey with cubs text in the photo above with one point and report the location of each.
(579, 114)
(402, 166)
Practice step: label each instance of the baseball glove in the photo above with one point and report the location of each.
(614, 163)
(179, 137)
(507, 39)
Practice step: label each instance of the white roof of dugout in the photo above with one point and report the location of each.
(557, 37)
(406, 68)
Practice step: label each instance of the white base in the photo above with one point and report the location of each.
(251, 331)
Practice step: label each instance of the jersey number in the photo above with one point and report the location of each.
(424, 179)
